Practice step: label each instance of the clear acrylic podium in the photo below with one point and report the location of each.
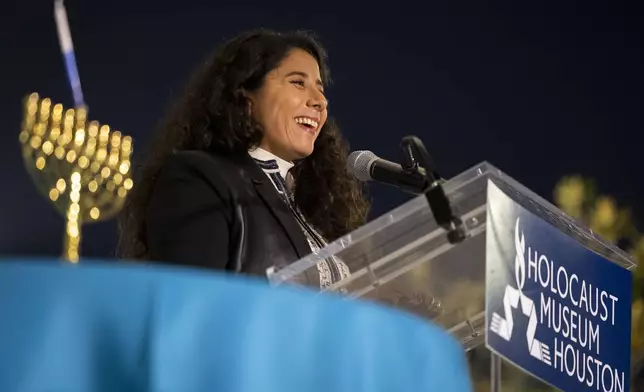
(404, 259)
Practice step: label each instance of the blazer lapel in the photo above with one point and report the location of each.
(279, 209)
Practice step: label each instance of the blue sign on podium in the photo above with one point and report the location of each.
(554, 308)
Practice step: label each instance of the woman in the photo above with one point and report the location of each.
(248, 172)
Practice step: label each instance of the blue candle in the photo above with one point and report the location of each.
(67, 49)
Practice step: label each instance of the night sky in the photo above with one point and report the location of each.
(538, 92)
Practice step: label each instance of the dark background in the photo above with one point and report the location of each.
(539, 92)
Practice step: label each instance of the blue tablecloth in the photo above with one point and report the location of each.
(113, 327)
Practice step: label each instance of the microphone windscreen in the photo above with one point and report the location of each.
(359, 164)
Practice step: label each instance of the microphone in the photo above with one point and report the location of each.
(367, 166)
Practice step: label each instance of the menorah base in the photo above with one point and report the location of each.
(71, 246)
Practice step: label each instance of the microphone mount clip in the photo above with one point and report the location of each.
(415, 157)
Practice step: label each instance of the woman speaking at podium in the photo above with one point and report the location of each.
(247, 171)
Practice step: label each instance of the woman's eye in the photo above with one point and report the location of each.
(298, 82)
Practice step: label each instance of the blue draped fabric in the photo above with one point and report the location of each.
(97, 327)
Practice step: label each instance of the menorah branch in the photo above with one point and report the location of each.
(82, 167)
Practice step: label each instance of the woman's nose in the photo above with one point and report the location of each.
(318, 102)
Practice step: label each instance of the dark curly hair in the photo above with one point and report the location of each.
(212, 114)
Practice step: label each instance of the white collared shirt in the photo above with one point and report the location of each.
(263, 155)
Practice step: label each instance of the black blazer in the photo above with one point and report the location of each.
(220, 212)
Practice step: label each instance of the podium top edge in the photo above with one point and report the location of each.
(467, 192)
(485, 168)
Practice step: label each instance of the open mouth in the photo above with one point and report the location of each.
(307, 124)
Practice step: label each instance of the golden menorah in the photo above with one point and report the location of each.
(84, 168)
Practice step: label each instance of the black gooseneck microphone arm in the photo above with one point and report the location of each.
(415, 155)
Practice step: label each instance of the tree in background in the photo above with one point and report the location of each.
(578, 197)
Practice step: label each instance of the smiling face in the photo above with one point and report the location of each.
(290, 106)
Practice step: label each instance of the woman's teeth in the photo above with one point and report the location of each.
(307, 121)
